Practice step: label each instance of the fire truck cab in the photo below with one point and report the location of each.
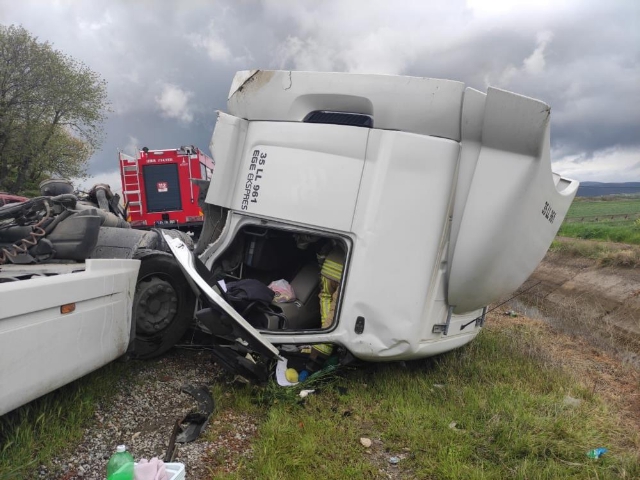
(160, 187)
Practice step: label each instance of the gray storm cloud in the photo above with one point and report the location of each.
(169, 63)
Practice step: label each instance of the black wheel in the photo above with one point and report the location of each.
(163, 305)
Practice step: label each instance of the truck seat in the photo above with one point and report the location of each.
(304, 312)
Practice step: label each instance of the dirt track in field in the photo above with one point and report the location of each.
(580, 297)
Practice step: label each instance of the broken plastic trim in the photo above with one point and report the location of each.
(196, 420)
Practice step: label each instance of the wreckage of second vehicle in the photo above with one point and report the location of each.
(397, 209)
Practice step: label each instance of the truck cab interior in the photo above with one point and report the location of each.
(264, 255)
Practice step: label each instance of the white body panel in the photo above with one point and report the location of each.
(42, 349)
(514, 205)
(302, 163)
(442, 200)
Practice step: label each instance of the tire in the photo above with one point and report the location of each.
(163, 305)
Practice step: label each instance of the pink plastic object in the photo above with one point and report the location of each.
(283, 291)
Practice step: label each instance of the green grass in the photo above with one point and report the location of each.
(620, 232)
(617, 229)
(506, 402)
(591, 206)
(36, 433)
(502, 391)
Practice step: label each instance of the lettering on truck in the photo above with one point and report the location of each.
(160, 160)
(548, 212)
(252, 185)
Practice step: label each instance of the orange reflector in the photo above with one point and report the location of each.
(68, 308)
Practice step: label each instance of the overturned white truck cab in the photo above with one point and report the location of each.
(440, 197)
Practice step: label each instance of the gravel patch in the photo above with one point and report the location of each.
(142, 414)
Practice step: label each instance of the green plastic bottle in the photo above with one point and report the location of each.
(120, 465)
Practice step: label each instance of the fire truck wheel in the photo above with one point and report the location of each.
(163, 305)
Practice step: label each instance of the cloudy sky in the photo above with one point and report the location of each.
(169, 64)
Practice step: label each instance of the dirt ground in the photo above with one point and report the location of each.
(591, 318)
(578, 296)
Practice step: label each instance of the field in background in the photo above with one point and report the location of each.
(612, 218)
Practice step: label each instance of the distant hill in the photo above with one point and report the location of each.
(597, 189)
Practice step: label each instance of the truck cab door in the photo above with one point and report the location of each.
(238, 347)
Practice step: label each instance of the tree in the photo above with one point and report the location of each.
(52, 108)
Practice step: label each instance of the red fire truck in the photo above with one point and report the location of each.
(159, 188)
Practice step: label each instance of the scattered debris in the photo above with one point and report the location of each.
(438, 385)
(305, 393)
(281, 374)
(291, 374)
(366, 442)
(171, 448)
(154, 469)
(456, 426)
(596, 452)
(196, 420)
(143, 404)
(571, 401)
(394, 460)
